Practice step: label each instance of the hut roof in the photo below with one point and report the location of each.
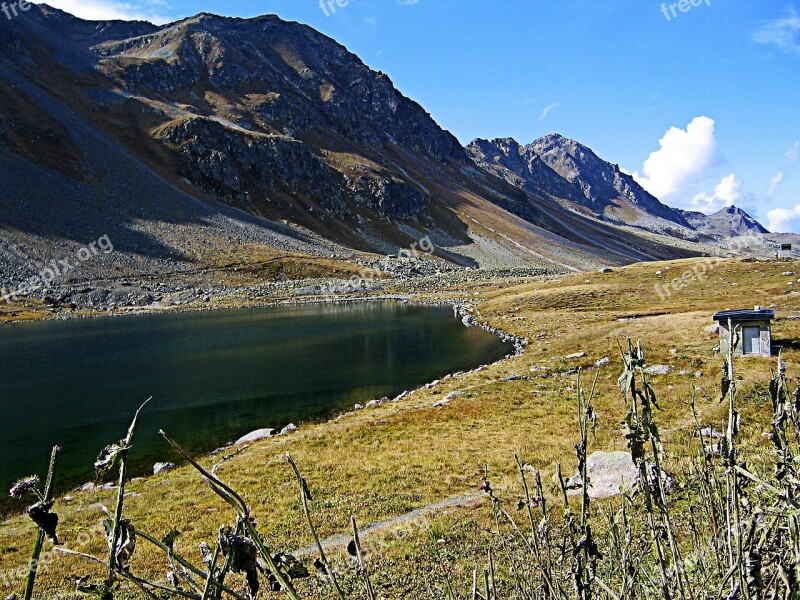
(745, 315)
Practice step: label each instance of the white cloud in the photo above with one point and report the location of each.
(107, 10)
(548, 109)
(683, 158)
(791, 154)
(774, 183)
(783, 33)
(784, 220)
(727, 192)
(407, 1)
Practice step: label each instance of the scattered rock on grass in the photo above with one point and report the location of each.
(658, 369)
(163, 467)
(608, 473)
(253, 436)
(514, 378)
(709, 432)
(447, 399)
(291, 427)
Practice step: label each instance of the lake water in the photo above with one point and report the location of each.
(213, 376)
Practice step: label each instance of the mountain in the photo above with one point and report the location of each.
(563, 169)
(215, 141)
(728, 222)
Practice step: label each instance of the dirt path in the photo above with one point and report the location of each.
(337, 541)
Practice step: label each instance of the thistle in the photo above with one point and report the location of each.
(25, 486)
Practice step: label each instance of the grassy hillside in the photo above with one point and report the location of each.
(390, 460)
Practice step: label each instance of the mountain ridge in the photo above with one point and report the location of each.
(265, 122)
(568, 170)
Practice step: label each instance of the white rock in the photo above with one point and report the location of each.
(358, 406)
(254, 436)
(603, 361)
(608, 473)
(658, 370)
(447, 399)
(713, 328)
(291, 427)
(576, 355)
(163, 467)
(708, 432)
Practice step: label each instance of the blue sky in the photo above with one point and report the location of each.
(701, 105)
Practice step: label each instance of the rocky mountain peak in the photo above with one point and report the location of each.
(726, 222)
(563, 168)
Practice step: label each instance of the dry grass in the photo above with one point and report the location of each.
(386, 461)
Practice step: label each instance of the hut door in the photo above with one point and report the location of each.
(751, 336)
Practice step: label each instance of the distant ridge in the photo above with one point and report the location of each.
(729, 221)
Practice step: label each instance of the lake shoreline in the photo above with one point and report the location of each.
(461, 311)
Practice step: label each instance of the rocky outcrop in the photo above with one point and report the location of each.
(388, 195)
(220, 159)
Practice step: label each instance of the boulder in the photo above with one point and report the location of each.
(290, 428)
(163, 467)
(658, 369)
(608, 473)
(254, 436)
(576, 355)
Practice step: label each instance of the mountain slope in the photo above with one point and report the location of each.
(727, 222)
(564, 169)
(214, 137)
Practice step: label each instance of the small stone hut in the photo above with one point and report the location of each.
(755, 332)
